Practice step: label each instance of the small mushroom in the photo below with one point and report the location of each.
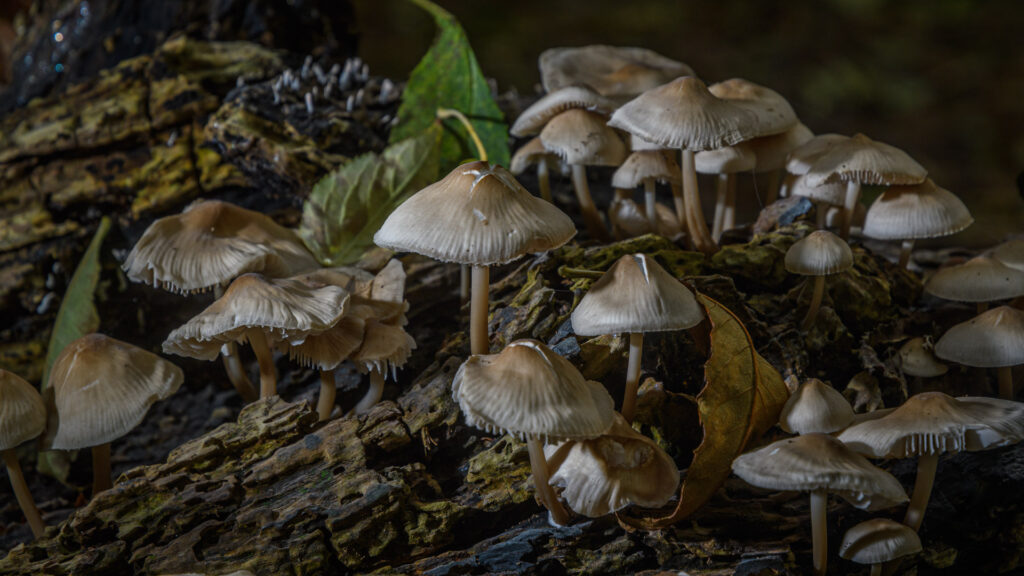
(980, 280)
(877, 541)
(725, 163)
(386, 347)
(532, 120)
(819, 254)
(826, 197)
(646, 168)
(1010, 253)
(533, 153)
(628, 221)
(22, 418)
(993, 339)
(815, 408)
(917, 359)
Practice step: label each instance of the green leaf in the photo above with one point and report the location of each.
(448, 76)
(350, 204)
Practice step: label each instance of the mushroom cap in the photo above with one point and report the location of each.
(819, 462)
(285, 309)
(833, 193)
(384, 347)
(528, 390)
(212, 243)
(820, 253)
(934, 423)
(980, 279)
(629, 220)
(389, 283)
(917, 359)
(611, 70)
(727, 160)
(815, 407)
(102, 389)
(1011, 253)
(605, 474)
(919, 211)
(774, 114)
(772, 151)
(477, 214)
(636, 295)
(801, 159)
(861, 159)
(879, 540)
(644, 164)
(584, 138)
(328, 349)
(22, 412)
(538, 114)
(531, 154)
(992, 339)
(356, 281)
(683, 114)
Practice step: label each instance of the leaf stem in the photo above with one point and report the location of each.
(445, 113)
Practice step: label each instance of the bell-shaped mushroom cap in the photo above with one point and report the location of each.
(530, 391)
(285, 309)
(727, 160)
(990, 340)
(210, 244)
(861, 159)
(815, 407)
(683, 114)
(1011, 253)
(917, 359)
(605, 474)
(644, 164)
(879, 540)
(820, 253)
(534, 118)
(477, 214)
(934, 423)
(804, 156)
(833, 193)
(629, 221)
(611, 70)
(819, 462)
(636, 295)
(919, 211)
(22, 412)
(772, 151)
(102, 388)
(584, 138)
(774, 114)
(980, 279)
(531, 154)
(384, 347)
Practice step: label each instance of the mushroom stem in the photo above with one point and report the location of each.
(25, 501)
(698, 228)
(1005, 382)
(544, 181)
(905, 249)
(812, 310)
(265, 358)
(636, 345)
(876, 570)
(849, 207)
(328, 391)
(373, 394)
(233, 364)
(677, 200)
(101, 469)
(595, 226)
(539, 466)
(819, 530)
(926, 466)
(649, 204)
(821, 215)
(729, 218)
(721, 192)
(479, 343)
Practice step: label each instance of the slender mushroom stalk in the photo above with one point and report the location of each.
(539, 467)
(819, 530)
(101, 468)
(479, 342)
(721, 195)
(373, 394)
(21, 492)
(650, 203)
(591, 218)
(698, 228)
(812, 310)
(852, 197)
(233, 364)
(906, 247)
(1005, 382)
(265, 359)
(729, 215)
(328, 392)
(927, 464)
(544, 182)
(680, 205)
(636, 345)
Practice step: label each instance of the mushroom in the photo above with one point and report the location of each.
(611, 70)
(981, 279)
(825, 197)
(1010, 253)
(993, 339)
(646, 168)
(877, 541)
(22, 418)
(918, 360)
(929, 424)
(628, 221)
(386, 347)
(820, 464)
(533, 153)
(819, 254)
(533, 393)
(479, 215)
(725, 163)
(102, 389)
(815, 408)
(532, 120)
(634, 296)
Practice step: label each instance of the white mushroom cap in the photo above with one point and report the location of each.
(611, 70)
(477, 214)
(879, 540)
(804, 156)
(771, 151)
(636, 295)
(22, 412)
(1011, 253)
(833, 193)
(534, 118)
(917, 359)
(605, 474)
(815, 407)
(990, 340)
(774, 114)
(980, 279)
(583, 138)
(820, 253)
(645, 164)
(918, 211)
(727, 160)
(861, 159)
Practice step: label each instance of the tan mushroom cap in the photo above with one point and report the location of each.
(801, 159)
(815, 407)
(1011, 253)
(583, 138)
(22, 412)
(102, 389)
(389, 283)
(353, 280)
(990, 340)
(772, 151)
(328, 349)
(820, 253)
(683, 114)
(833, 193)
(727, 160)
(820, 462)
(611, 70)
(934, 423)
(861, 159)
(531, 154)
(879, 540)
(477, 214)
(534, 118)
(605, 474)
(644, 164)
(920, 211)
(528, 390)
(629, 220)
(917, 359)
(210, 244)
(636, 295)
(385, 347)
(284, 309)
(774, 114)
(980, 279)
